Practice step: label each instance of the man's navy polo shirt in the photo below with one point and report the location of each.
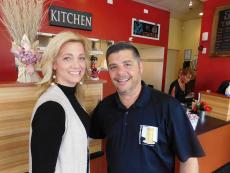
(123, 128)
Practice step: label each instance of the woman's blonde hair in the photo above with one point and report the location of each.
(53, 49)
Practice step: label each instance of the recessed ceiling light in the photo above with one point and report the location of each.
(190, 4)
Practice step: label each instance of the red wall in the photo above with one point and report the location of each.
(211, 71)
(110, 22)
(7, 64)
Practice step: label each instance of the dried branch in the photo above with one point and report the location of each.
(22, 17)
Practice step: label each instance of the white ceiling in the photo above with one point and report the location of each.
(177, 8)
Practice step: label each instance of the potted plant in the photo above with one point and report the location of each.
(200, 108)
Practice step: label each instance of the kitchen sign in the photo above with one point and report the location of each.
(64, 17)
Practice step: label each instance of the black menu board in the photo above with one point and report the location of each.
(145, 29)
(220, 43)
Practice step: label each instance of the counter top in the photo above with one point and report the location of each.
(213, 94)
(89, 81)
(209, 124)
(17, 84)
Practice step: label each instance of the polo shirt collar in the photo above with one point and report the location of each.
(142, 99)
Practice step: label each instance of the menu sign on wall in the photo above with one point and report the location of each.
(64, 17)
(145, 29)
(220, 43)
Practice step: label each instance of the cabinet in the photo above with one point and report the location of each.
(89, 94)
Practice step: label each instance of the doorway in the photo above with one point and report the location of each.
(171, 68)
(153, 60)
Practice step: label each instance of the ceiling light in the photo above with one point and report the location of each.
(201, 14)
(190, 4)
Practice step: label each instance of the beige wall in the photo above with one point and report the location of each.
(171, 71)
(182, 35)
(152, 58)
(175, 34)
(191, 35)
(175, 43)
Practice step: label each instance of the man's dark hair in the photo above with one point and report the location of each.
(122, 46)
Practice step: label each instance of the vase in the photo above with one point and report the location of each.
(202, 116)
(27, 74)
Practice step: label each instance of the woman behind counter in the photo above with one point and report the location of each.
(179, 88)
(59, 127)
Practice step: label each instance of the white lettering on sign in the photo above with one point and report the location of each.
(70, 18)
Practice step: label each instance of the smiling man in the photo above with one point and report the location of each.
(145, 128)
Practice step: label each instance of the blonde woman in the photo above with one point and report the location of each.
(59, 126)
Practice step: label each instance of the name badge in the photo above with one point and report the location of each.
(148, 135)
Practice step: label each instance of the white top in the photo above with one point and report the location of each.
(72, 157)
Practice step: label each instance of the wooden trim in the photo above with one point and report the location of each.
(152, 60)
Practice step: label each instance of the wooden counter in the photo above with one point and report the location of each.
(214, 136)
(219, 103)
(90, 93)
(16, 105)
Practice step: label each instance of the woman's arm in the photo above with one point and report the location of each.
(173, 93)
(48, 126)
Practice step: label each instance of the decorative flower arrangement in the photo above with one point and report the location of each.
(201, 106)
(22, 19)
(25, 55)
